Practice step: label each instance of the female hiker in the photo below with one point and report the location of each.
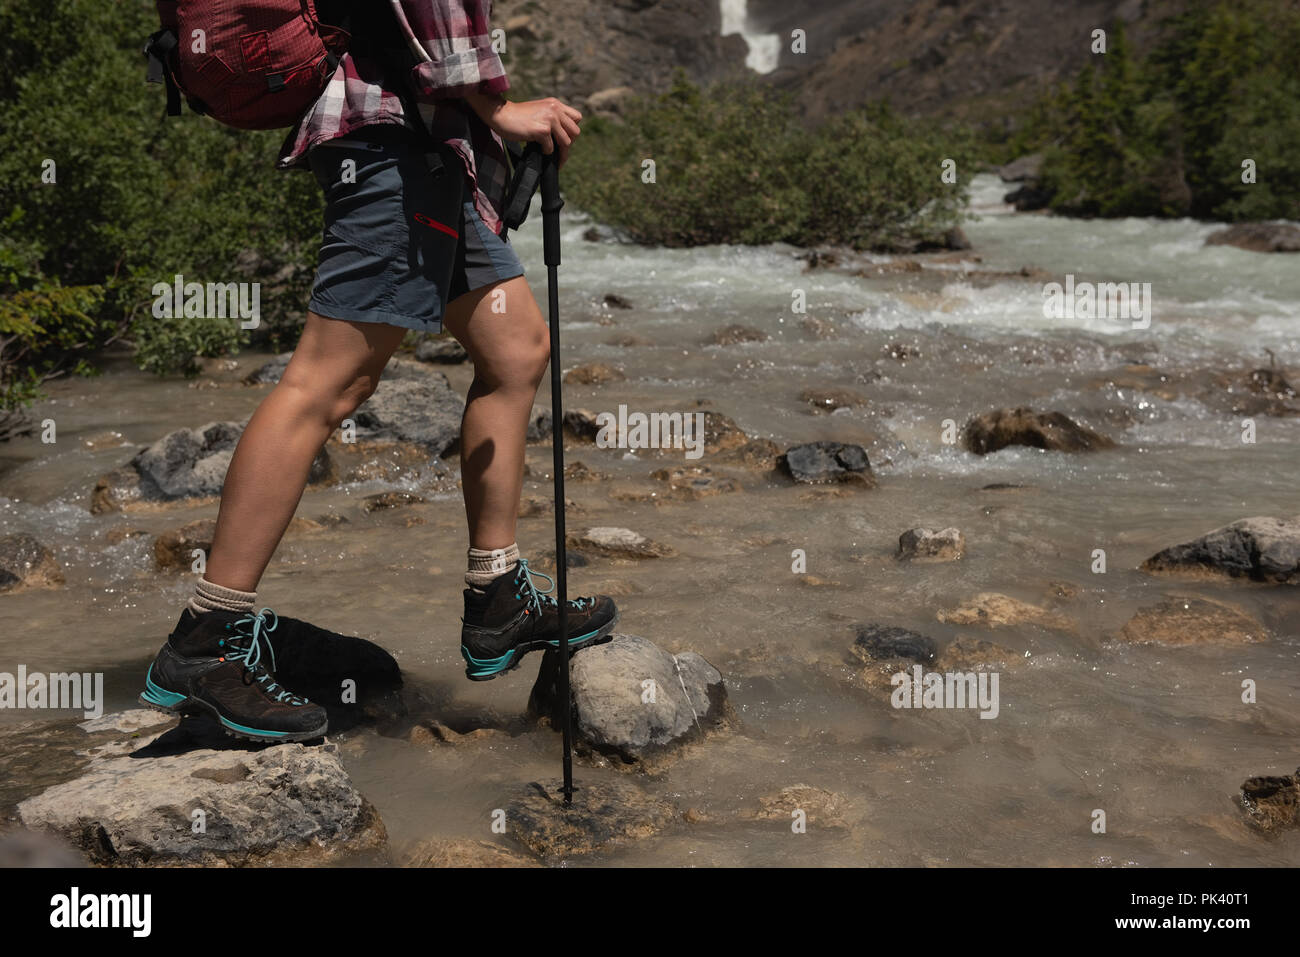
(395, 256)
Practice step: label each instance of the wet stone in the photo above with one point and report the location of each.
(26, 563)
(1050, 431)
(884, 643)
(821, 462)
(1261, 549)
(603, 815)
(1272, 802)
(922, 545)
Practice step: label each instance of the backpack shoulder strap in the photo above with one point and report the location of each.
(159, 50)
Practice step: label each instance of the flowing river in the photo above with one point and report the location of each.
(1157, 737)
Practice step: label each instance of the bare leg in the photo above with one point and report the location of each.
(502, 329)
(335, 368)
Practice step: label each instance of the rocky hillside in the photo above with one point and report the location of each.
(980, 59)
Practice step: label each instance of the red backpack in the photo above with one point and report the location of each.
(250, 64)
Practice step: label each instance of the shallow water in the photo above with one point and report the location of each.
(1156, 737)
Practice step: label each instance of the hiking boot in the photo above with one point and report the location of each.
(213, 662)
(513, 618)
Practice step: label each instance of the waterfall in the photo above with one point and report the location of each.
(764, 48)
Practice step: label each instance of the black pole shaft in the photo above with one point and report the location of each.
(551, 204)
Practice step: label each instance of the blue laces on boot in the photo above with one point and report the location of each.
(247, 647)
(536, 599)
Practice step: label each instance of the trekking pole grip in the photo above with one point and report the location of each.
(551, 203)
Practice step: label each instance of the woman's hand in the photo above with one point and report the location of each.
(550, 122)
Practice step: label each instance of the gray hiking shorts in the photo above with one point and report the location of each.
(397, 246)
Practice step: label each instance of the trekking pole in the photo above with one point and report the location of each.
(551, 204)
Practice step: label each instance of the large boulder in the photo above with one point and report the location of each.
(632, 700)
(1262, 549)
(411, 404)
(186, 463)
(288, 804)
(1051, 431)
(424, 410)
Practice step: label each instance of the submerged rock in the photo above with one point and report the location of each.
(593, 373)
(886, 643)
(994, 610)
(1273, 802)
(921, 545)
(382, 501)
(820, 808)
(284, 804)
(603, 815)
(820, 462)
(615, 542)
(1192, 621)
(828, 400)
(26, 563)
(1258, 237)
(695, 482)
(1262, 549)
(632, 700)
(23, 848)
(464, 852)
(1051, 431)
(736, 333)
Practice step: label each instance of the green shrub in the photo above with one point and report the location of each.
(138, 197)
(733, 164)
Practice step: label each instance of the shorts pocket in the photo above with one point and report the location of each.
(363, 196)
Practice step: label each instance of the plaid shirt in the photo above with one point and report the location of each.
(457, 55)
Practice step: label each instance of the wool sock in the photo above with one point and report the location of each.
(209, 597)
(488, 564)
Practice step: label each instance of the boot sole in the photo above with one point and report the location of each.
(515, 655)
(169, 702)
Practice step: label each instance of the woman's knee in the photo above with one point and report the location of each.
(329, 400)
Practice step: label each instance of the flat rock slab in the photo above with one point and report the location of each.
(1261, 549)
(287, 804)
(614, 542)
(632, 700)
(603, 815)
